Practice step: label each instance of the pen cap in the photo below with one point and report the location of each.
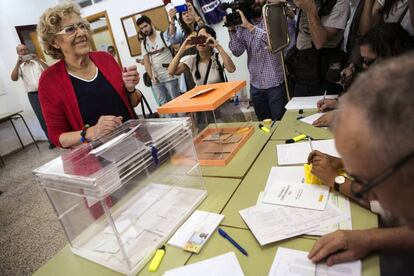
(156, 261)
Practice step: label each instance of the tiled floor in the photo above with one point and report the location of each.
(29, 231)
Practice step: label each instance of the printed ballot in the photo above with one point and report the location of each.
(294, 262)
(198, 228)
(270, 223)
(286, 186)
(223, 265)
(297, 153)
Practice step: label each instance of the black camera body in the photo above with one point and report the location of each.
(233, 18)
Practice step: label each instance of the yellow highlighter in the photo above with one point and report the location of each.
(309, 177)
(296, 139)
(155, 263)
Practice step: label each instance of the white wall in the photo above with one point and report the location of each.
(20, 12)
(15, 13)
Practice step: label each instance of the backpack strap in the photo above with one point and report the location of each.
(207, 72)
(165, 44)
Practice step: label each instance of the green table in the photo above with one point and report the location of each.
(244, 158)
(289, 124)
(260, 259)
(255, 182)
(65, 262)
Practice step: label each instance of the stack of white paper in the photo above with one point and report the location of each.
(295, 262)
(271, 223)
(297, 153)
(306, 102)
(312, 118)
(223, 265)
(344, 206)
(199, 222)
(285, 186)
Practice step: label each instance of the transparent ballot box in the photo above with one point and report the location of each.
(120, 198)
(220, 126)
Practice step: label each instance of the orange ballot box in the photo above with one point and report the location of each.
(219, 125)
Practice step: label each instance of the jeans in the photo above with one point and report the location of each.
(34, 102)
(269, 103)
(166, 91)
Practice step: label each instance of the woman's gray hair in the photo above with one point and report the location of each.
(50, 23)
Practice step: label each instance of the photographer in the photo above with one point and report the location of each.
(266, 73)
(320, 34)
(29, 68)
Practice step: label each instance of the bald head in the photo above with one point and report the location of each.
(375, 130)
(22, 50)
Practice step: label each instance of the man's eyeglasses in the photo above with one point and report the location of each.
(71, 29)
(368, 62)
(360, 188)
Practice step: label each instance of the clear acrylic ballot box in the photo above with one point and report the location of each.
(119, 198)
(220, 126)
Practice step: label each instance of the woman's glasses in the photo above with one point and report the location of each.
(71, 29)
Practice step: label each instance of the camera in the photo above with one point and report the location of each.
(233, 18)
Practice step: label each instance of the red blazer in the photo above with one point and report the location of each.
(58, 99)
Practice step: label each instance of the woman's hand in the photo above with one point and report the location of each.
(130, 76)
(212, 42)
(186, 44)
(105, 124)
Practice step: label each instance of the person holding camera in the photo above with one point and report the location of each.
(267, 88)
(29, 68)
(208, 64)
(318, 51)
(157, 56)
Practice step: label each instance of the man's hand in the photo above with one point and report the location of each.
(341, 246)
(130, 76)
(326, 104)
(305, 4)
(245, 23)
(324, 166)
(325, 120)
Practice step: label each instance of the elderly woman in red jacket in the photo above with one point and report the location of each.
(85, 94)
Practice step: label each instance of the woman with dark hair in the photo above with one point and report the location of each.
(189, 22)
(208, 63)
(387, 40)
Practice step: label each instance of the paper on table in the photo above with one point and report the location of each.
(199, 221)
(312, 118)
(297, 153)
(294, 262)
(344, 206)
(223, 265)
(285, 186)
(271, 223)
(306, 102)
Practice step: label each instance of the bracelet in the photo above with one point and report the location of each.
(131, 92)
(83, 134)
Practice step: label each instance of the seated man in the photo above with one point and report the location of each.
(379, 157)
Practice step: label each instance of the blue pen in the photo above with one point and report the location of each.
(227, 237)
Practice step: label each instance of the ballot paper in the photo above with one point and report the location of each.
(270, 223)
(297, 153)
(200, 223)
(286, 186)
(294, 262)
(312, 118)
(223, 265)
(306, 102)
(344, 206)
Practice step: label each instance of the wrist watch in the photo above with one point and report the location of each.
(339, 180)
